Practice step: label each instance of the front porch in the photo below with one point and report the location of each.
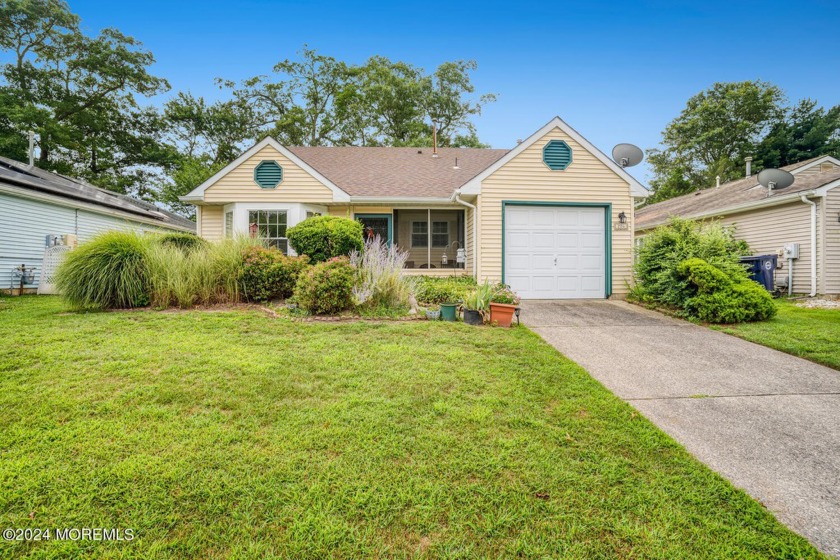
(434, 238)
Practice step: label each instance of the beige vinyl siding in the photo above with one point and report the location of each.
(831, 234)
(527, 178)
(211, 222)
(768, 230)
(239, 186)
(815, 169)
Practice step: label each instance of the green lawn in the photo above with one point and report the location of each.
(813, 334)
(234, 434)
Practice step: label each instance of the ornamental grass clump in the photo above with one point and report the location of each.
(380, 281)
(108, 272)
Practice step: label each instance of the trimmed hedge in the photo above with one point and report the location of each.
(721, 299)
(183, 241)
(435, 290)
(327, 287)
(324, 237)
(268, 274)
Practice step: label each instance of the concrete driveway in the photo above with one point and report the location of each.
(767, 421)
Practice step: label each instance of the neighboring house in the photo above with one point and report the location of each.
(39, 208)
(552, 217)
(807, 213)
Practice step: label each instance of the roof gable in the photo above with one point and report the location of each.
(474, 185)
(197, 194)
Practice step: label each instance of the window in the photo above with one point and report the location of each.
(440, 234)
(270, 226)
(310, 214)
(228, 224)
(419, 234)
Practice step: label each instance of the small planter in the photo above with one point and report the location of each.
(502, 314)
(433, 314)
(448, 311)
(473, 317)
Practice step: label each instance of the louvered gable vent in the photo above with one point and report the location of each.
(557, 155)
(268, 174)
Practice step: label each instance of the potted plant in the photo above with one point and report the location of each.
(477, 304)
(433, 313)
(503, 305)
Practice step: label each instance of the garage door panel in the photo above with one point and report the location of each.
(591, 219)
(567, 240)
(555, 251)
(518, 240)
(591, 262)
(593, 239)
(543, 240)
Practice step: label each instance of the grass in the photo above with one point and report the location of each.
(812, 334)
(217, 434)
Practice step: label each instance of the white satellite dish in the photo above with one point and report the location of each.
(775, 179)
(627, 155)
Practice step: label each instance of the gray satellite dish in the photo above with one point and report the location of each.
(627, 155)
(775, 179)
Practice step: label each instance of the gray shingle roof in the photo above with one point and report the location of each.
(397, 172)
(735, 193)
(32, 178)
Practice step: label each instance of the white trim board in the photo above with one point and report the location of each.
(473, 186)
(197, 194)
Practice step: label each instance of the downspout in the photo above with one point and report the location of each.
(457, 199)
(813, 244)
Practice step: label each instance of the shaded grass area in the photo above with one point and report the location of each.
(813, 334)
(233, 434)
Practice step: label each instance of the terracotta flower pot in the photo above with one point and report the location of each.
(502, 314)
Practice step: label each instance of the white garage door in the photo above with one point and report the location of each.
(555, 252)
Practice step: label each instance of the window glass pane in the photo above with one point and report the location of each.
(270, 226)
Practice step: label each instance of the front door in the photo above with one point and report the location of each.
(376, 225)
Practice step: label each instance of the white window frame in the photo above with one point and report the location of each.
(446, 233)
(282, 239)
(425, 234)
(229, 223)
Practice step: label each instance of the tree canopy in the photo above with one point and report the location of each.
(92, 103)
(724, 124)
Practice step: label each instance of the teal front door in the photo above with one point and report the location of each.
(376, 225)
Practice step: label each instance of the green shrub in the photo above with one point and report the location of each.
(268, 274)
(661, 252)
(723, 299)
(431, 289)
(327, 287)
(380, 282)
(108, 272)
(325, 237)
(183, 241)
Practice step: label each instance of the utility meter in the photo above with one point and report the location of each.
(791, 251)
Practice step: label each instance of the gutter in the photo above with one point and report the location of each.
(457, 198)
(398, 200)
(813, 205)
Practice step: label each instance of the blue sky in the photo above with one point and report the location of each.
(616, 71)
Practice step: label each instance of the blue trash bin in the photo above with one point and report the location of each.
(762, 269)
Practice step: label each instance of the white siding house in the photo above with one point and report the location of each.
(35, 204)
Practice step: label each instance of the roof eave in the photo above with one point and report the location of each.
(738, 208)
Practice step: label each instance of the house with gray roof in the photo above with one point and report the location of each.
(43, 214)
(806, 214)
(551, 216)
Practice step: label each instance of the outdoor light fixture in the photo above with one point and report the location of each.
(622, 218)
(444, 260)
